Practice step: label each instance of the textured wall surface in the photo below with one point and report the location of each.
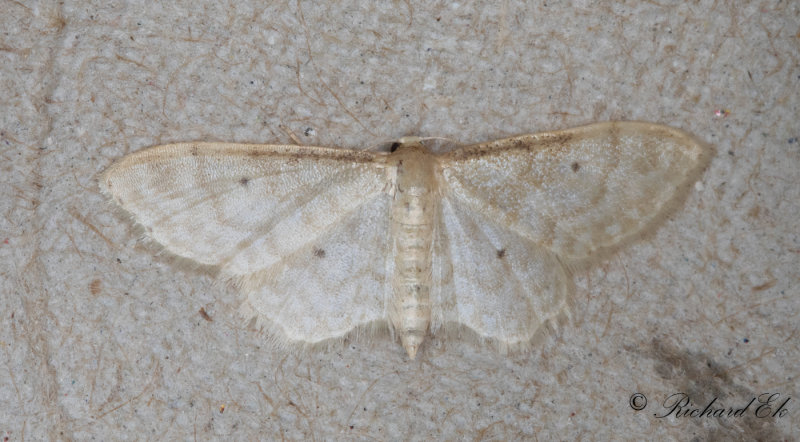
(101, 336)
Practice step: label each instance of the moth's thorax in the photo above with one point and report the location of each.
(415, 166)
(413, 211)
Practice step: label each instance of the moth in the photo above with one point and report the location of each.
(325, 242)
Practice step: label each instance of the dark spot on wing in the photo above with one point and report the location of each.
(501, 253)
(244, 181)
(319, 253)
(576, 166)
(194, 151)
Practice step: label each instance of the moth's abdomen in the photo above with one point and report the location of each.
(412, 233)
(411, 308)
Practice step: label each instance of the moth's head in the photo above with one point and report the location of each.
(408, 144)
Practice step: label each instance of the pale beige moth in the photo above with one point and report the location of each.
(327, 242)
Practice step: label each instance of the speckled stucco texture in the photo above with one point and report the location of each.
(100, 336)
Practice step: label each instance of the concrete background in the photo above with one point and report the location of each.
(101, 337)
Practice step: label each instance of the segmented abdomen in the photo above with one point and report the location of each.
(412, 233)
